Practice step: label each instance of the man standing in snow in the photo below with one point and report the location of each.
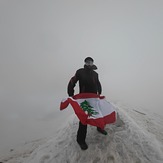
(88, 83)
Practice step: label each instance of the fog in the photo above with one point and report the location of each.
(43, 43)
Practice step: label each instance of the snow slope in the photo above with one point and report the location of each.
(136, 137)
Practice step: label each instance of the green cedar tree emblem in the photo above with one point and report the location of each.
(87, 107)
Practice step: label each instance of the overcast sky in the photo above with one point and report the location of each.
(44, 42)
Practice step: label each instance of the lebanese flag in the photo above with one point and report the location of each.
(91, 109)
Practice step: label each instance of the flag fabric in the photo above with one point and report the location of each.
(91, 109)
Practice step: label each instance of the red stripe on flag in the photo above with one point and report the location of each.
(101, 122)
(78, 111)
(87, 95)
(64, 104)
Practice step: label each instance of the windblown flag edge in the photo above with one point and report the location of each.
(91, 109)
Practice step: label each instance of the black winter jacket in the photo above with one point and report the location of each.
(88, 81)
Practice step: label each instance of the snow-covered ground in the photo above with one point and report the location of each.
(136, 137)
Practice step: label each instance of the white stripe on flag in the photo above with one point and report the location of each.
(101, 106)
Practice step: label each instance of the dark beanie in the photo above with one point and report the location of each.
(88, 59)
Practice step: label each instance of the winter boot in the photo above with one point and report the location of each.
(83, 145)
(101, 131)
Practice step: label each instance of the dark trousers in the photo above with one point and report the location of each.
(82, 132)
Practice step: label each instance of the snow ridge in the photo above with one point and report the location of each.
(126, 142)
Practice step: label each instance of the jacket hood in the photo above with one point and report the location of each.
(93, 67)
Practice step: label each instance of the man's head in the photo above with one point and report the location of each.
(89, 61)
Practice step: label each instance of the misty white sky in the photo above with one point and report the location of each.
(43, 43)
